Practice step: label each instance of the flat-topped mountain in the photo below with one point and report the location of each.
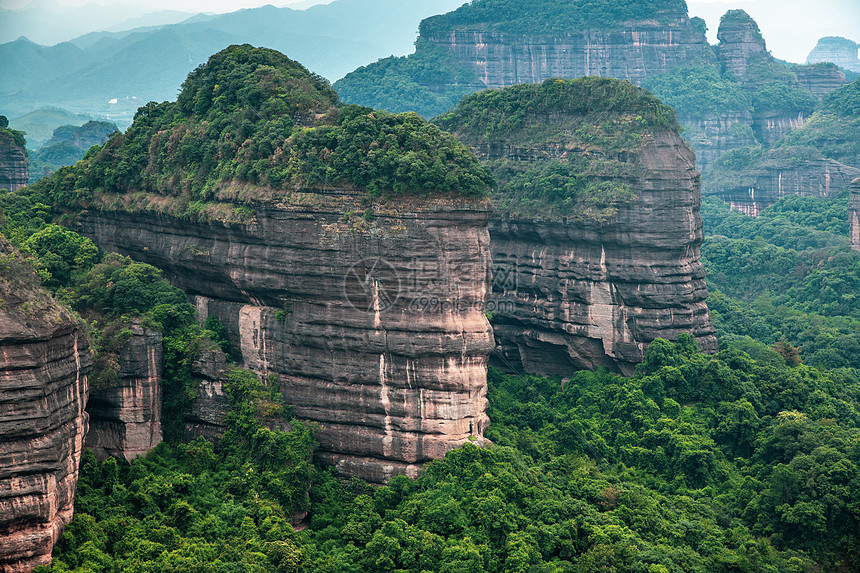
(493, 43)
(596, 229)
(313, 232)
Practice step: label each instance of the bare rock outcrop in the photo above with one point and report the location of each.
(376, 330)
(854, 215)
(207, 412)
(125, 418)
(740, 44)
(750, 193)
(44, 363)
(840, 51)
(636, 50)
(14, 168)
(712, 135)
(820, 79)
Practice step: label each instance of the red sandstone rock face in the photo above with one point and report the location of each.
(14, 171)
(381, 335)
(815, 178)
(580, 294)
(740, 43)
(638, 50)
(820, 79)
(713, 135)
(44, 362)
(125, 419)
(854, 215)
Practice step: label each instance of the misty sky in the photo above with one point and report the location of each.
(790, 27)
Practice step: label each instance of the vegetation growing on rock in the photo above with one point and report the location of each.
(548, 17)
(594, 124)
(252, 115)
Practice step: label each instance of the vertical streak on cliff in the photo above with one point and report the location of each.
(389, 360)
(854, 214)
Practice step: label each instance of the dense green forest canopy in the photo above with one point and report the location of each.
(548, 16)
(251, 115)
(698, 89)
(597, 124)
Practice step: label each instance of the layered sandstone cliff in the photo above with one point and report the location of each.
(14, 170)
(820, 79)
(125, 418)
(854, 215)
(632, 52)
(376, 330)
(44, 362)
(752, 192)
(714, 134)
(741, 43)
(840, 51)
(594, 287)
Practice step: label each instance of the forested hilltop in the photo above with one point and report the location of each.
(745, 460)
(254, 125)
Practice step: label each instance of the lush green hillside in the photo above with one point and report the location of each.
(598, 124)
(68, 145)
(834, 126)
(549, 16)
(253, 116)
(788, 273)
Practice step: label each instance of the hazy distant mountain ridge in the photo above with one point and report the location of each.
(85, 74)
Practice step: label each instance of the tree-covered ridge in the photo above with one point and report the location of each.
(68, 145)
(595, 124)
(549, 16)
(788, 273)
(253, 116)
(508, 114)
(406, 83)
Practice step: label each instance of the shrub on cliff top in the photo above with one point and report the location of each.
(252, 115)
(548, 16)
(509, 113)
(596, 124)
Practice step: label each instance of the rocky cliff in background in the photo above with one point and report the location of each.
(44, 362)
(714, 134)
(125, 419)
(376, 330)
(820, 79)
(741, 43)
(14, 170)
(854, 215)
(633, 52)
(751, 193)
(840, 51)
(594, 287)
